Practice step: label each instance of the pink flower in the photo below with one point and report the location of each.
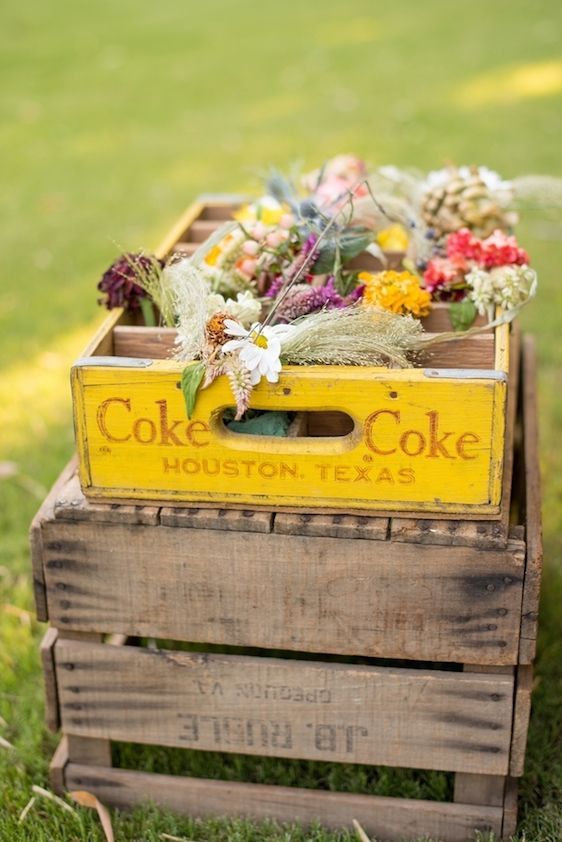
(250, 247)
(500, 249)
(443, 271)
(274, 239)
(257, 230)
(246, 266)
(464, 243)
(287, 220)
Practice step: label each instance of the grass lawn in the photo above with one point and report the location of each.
(115, 114)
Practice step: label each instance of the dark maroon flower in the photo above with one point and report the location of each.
(119, 282)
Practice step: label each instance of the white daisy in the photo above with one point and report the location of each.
(259, 348)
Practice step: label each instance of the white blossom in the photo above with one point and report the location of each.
(245, 308)
(259, 348)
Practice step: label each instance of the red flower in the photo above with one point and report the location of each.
(444, 271)
(501, 249)
(464, 243)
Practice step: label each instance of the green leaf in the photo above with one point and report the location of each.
(462, 314)
(345, 282)
(353, 241)
(324, 263)
(190, 381)
(147, 309)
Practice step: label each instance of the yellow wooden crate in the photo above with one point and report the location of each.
(428, 439)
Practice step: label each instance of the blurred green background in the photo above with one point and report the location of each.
(115, 115)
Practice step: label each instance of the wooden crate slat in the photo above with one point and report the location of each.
(387, 818)
(286, 708)
(225, 520)
(522, 712)
(45, 513)
(479, 789)
(58, 766)
(52, 717)
(332, 526)
(157, 343)
(449, 533)
(298, 593)
(71, 505)
(533, 570)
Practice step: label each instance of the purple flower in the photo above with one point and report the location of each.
(119, 282)
(304, 299)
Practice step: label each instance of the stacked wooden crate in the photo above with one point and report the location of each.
(383, 640)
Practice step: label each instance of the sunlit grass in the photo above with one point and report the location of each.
(510, 85)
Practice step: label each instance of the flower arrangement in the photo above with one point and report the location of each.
(480, 274)
(279, 285)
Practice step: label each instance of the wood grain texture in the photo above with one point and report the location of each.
(286, 708)
(449, 533)
(58, 766)
(70, 504)
(479, 789)
(509, 825)
(158, 343)
(91, 750)
(46, 512)
(291, 592)
(52, 718)
(522, 713)
(332, 526)
(225, 520)
(387, 818)
(533, 572)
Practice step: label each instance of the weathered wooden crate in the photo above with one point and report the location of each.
(450, 607)
(431, 439)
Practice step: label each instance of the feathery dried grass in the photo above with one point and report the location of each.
(188, 292)
(358, 335)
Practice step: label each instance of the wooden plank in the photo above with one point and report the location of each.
(332, 526)
(509, 825)
(479, 789)
(449, 533)
(71, 505)
(201, 229)
(385, 818)
(476, 352)
(45, 513)
(439, 320)
(90, 750)
(225, 520)
(293, 592)
(522, 713)
(286, 708)
(533, 571)
(156, 343)
(83, 749)
(221, 211)
(52, 718)
(58, 767)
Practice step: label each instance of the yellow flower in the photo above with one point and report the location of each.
(247, 213)
(399, 292)
(213, 255)
(266, 210)
(393, 238)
